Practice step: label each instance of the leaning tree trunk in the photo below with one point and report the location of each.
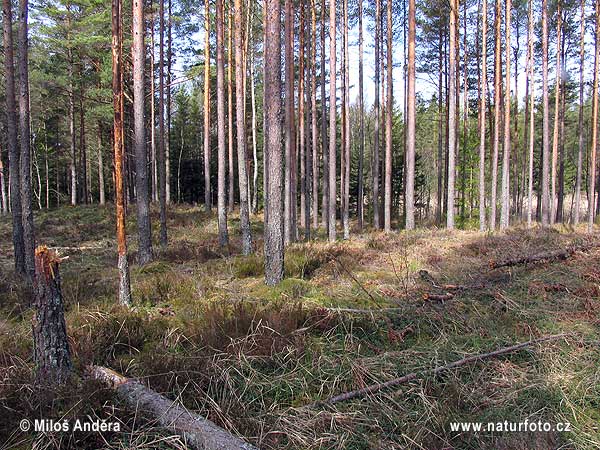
(25, 135)
(14, 156)
(51, 352)
(141, 167)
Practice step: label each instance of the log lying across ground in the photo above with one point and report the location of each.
(372, 389)
(545, 256)
(198, 433)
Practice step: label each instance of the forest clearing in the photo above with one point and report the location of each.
(204, 330)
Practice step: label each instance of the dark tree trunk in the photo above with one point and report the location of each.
(207, 152)
(141, 157)
(274, 241)
(290, 134)
(14, 156)
(24, 132)
(51, 351)
(375, 188)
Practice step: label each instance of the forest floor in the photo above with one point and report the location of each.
(206, 331)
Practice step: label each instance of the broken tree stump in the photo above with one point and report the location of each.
(198, 433)
(51, 351)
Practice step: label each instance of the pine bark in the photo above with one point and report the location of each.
(221, 196)
(377, 107)
(241, 132)
(361, 106)
(162, 164)
(231, 166)
(410, 120)
(347, 135)
(505, 212)
(290, 132)
(332, 122)
(324, 140)
(497, 113)
(141, 157)
(556, 128)
(25, 140)
(581, 142)
(545, 207)
(51, 352)
(387, 213)
(314, 118)
(14, 155)
(530, 81)
(452, 113)
(207, 152)
(274, 211)
(593, 169)
(118, 148)
(482, 111)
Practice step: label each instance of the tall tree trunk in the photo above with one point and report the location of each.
(410, 120)
(482, 110)
(452, 114)
(153, 155)
(221, 197)
(231, 166)
(14, 155)
(555, 131)
(561, 135)
(162, 164)
(546, 120)
(82, 147)
(387, 211)
(168, 108)
(73, 166)
(530, 81)
(141, 156)
(324, 140)
(254, 137)
(332, 121)
(25, 135)
(241, 132)
(117, 87)
(361, 106)
(101, 166)
(346, 147)
(302, 122)
(580, 118)
(375, 189)
(497, 111)
(290, 135)
(207, 152)
(313, 100)
(505, 212)
(440, 155)
(592, 170)
(274, 240)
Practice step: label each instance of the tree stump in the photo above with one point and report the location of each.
(51, 351)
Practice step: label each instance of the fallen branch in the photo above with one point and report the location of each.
(197, 432)
(426, 277)
(365, 311)
(545, 256)
(411, 376)
(360, 285)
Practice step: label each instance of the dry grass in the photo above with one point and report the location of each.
(206, 331)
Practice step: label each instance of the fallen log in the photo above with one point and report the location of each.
(372, 389)
(197, 432)
(545, 256)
